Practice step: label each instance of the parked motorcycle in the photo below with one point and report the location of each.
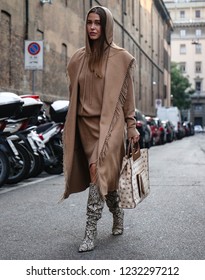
(17, 163)
(20, 131)
(29, 142)
(51, 135)
(30, 112)
(4, 167)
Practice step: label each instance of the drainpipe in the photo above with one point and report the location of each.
(140, 53)
(122, 11)
(27, 18)
(152, 69)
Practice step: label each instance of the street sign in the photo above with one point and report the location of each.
(33, 59)
(158, 103)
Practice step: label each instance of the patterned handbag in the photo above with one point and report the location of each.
(134, 183)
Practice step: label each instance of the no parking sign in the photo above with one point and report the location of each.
(158, 103)
(33, 55)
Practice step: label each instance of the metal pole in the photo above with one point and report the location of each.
(33, 81)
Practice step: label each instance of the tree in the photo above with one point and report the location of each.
(180, 88)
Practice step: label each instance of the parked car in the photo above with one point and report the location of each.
(172, 114)
(155, 132)
(144, 130)
(198, 129)
(163, 135)
(189, 128)
(180, 132)
(169, 129)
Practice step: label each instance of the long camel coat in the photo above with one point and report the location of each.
(116, 122)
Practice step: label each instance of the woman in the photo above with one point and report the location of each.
(101, 103)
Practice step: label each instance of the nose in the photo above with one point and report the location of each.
(93, 25)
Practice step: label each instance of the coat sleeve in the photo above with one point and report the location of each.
(129, 109)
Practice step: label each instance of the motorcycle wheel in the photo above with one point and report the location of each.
(36, 165)
(4, 168)
(39, 166)
(19, 169)
(56, 168)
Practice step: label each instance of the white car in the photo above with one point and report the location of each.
(198, 129)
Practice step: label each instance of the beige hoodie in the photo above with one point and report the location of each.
(92, 83)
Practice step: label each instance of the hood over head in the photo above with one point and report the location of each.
(108, 27)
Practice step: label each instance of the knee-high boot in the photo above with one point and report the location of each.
(112, 201)
(94, 212)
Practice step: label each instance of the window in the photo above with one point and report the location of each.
(182, 14)
(198, 48)
(197, 13)
(182, 33)
(182, 49)
(166, 60)
(198, 32)
(165, 91)
(133, 12)
(198, 108)
(198, 66)
(168, 36)
(182, 67)
(124, 6)
(198, 86)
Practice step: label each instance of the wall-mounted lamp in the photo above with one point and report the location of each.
(46, 1)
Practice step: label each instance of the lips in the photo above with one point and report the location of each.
(93, 34)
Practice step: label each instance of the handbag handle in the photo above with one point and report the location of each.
(133, 150)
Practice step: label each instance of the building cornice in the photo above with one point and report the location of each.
(164, 12)
(189, 23)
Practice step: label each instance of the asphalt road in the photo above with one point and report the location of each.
(168, 225)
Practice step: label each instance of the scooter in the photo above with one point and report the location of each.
(20, 129)
(17, 164)
(51, 135)
(26, 134)
(4, 162)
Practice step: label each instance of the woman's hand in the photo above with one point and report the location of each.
(135, 138)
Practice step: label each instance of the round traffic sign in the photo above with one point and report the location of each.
(34, 48)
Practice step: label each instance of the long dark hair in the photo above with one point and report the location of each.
(96, 57)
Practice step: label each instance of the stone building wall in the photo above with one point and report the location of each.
(139, 27)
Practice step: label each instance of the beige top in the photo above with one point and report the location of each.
(90, 102)
(91, 91)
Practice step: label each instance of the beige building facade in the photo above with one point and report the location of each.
(188, 49)
(143, 27)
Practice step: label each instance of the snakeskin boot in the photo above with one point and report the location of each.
(112, 201)
(94, 212)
